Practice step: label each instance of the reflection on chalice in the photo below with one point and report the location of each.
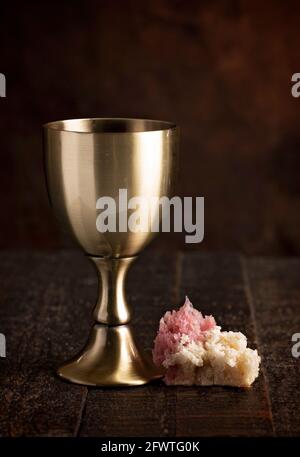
(86, 159)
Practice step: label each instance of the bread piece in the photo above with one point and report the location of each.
(194, 351)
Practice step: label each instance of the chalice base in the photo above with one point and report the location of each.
(110, 358)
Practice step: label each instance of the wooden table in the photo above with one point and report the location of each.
(45, 313)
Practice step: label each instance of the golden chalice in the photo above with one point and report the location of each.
(86, 159)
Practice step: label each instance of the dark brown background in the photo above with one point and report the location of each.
(220, 69)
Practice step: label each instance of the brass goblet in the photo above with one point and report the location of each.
(86, 159)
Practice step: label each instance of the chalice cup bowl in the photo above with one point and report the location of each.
(87, 160)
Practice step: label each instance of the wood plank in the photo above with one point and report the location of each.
(45, 302)
(214, 283)
(275, 290)
(146, 410)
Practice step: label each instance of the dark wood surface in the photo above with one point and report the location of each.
(45, 312)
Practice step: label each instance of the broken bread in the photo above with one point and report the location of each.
(194, 351)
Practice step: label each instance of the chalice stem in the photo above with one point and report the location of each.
(111, 356)
(112, 307)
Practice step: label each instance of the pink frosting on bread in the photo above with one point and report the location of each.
(174, 324)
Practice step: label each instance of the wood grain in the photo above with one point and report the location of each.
(45, 319)
(275, 288)
(45, 312)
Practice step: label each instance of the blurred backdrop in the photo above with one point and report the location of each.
(220, 69)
